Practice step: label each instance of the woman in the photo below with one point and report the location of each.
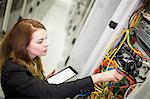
(22, 70)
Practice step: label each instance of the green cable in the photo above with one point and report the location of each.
(128, 40)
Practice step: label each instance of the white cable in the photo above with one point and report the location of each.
(146, 63)
(125, 95)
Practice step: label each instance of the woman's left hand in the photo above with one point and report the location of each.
(50, 75)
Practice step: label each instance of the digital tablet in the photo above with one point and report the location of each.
(62, 76)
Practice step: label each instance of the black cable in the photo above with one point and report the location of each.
(129, 55)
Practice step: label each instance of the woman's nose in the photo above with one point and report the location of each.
(46, 43)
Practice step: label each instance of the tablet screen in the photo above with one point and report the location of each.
(62, 76)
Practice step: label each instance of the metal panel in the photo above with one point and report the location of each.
(2, 10)
(120, 16)
(143, 31)
(15, 13)
(6, 16)
(96, 35)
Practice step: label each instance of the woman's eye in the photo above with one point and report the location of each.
(39, 42)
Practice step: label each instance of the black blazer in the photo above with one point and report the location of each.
(17, 82)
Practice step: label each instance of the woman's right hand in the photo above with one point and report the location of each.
(111, 75)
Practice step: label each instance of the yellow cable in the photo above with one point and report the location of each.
(97, 90)
(110, 54)
(138, 20)
(137, 52)
(117, 37)
(127, 33)
(133, 22)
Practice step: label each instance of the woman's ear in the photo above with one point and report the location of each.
(27, 48)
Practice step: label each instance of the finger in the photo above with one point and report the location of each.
(120, 72)
(51, 74)
(119, 76)
(115, 80)
(53, 71)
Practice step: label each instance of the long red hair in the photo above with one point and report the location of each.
(15, 43)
